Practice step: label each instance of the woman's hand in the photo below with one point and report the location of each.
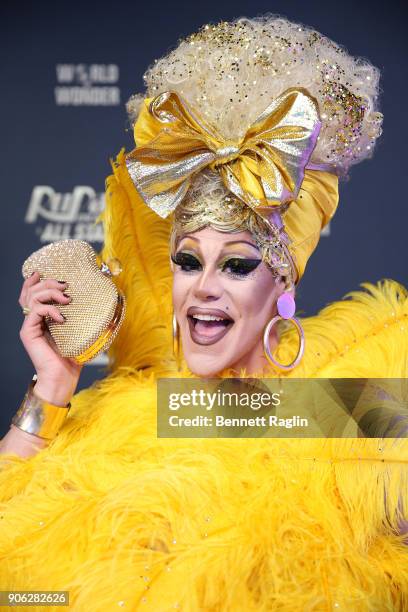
(57, 376)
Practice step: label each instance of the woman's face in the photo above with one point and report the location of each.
(223, 296)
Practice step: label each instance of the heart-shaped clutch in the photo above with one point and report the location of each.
(97, 309)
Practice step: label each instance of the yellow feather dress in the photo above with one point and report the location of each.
(125, 520)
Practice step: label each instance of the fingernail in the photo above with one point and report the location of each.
(63, 316)
(62, 282)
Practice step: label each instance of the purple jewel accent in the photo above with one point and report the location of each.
(286, 306)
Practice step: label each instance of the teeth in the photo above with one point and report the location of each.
(204, 317)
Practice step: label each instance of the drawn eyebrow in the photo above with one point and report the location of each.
(229, 242)
(242, 241)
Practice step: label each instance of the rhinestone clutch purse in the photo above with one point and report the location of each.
(97, 309)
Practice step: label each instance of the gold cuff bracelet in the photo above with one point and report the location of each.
(36, 416)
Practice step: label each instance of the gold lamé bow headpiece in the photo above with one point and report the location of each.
(264, 168)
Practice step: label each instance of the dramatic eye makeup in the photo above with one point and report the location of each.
(239, 263)
(187, 261)
(240, 266)
(235, 266)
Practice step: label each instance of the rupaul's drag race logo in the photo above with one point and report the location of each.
(87, 85)
(58, 216)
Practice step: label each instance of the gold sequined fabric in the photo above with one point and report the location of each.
(96, 310)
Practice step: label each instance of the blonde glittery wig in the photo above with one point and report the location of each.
(228, 74)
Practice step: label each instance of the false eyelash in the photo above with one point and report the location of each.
(185, 259)
(246, 265)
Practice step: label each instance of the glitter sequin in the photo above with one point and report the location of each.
(228, 69)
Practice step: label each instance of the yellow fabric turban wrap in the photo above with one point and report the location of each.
(309, 213)
(265, 168)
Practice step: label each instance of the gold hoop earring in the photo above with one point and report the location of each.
(286, 308)
(176, 340)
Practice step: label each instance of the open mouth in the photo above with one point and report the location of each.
(208, 325)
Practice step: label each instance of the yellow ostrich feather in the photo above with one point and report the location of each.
(242, 524)
(140, 240)
(363, 335)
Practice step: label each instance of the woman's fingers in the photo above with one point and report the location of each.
(39, 296)
(32, 286)
(28, 283)
(43, 310)
(42, 296)
(50, 283)
(32, 326)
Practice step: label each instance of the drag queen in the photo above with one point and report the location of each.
(241, 137)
